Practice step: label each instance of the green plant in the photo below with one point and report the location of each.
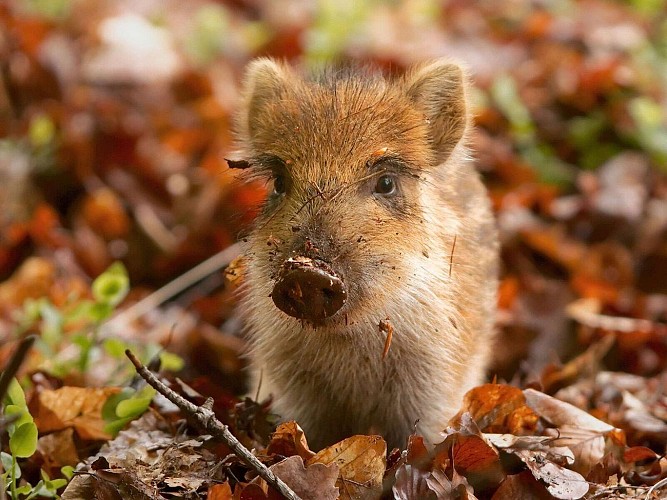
(70, 341)
(129, 404)
(22, 433)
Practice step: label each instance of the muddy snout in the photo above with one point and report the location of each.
(308, 289)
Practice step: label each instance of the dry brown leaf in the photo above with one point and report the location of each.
(575, 429)
(587, 363)
(411, 482)
(104, 212)
(87, 486)
(496, 408)
(588, 446)
(289, 440)
(510, 443)
(33, 279)
(361, 460)
(77, 407)
(561, 482)
(220, 492)
(560, 413)
(556, 244)
(58, 449)
(458, 488)
(522, 486)
(316, 482)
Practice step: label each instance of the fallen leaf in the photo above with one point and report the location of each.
(361, 460)
(411, 483)
(58, 449)
(561, 413)
(561, 482)
(470, 455)
(220, 492)
(456, 489)
(522, 486)
(77, 407)
(315, 482)
(288, 440)
(496, 408)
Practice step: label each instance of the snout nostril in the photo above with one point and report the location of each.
(308, 289)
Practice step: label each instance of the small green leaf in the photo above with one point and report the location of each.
(67, 471)
(42, 131)
(15, 393)
(8, 462)
(56, 484)
(23, 442)
(171, 362)
(80, 311)
(116, 426)
(109, 407)
(115, 347)
(26, 489)
(135, 406)
(112, 285)
(100, 311)
(24, 416)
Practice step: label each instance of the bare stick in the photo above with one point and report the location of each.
(158, 297)
(655, 487)
(15, 363)
(204, 415)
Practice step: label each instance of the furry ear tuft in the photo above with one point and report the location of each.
(438, 89)
(265, 82)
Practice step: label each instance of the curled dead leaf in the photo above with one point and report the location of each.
(289, 439)
(497, 408)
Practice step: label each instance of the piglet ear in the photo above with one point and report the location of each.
(266, 82)
(438, 90)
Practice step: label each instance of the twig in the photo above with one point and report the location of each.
(15, 363)
(158, 297)
(656, 486)
(205, 416)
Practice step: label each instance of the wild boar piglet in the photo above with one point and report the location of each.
(376, 216)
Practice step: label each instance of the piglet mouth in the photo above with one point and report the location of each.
(308, 289)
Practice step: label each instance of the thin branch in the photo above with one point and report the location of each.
(206, 418)
(158, 297)
(655, 487)
(15, 363)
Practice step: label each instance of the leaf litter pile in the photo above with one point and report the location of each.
(115, 122)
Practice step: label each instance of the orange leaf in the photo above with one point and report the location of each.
(289, 440)
(77, 407)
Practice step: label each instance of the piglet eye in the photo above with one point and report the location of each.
(386, 185)
(279, 185)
